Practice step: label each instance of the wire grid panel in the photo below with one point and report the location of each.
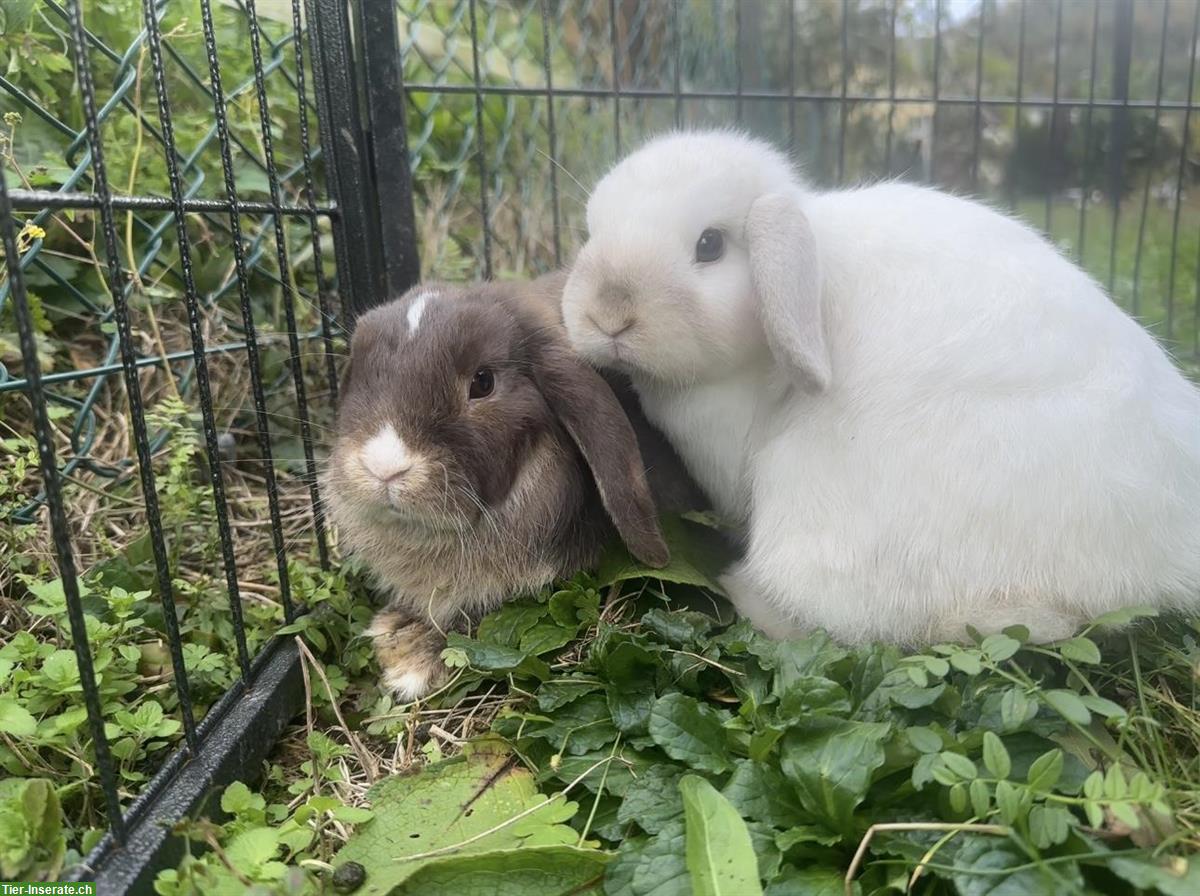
(165, 277)
(1075, 115)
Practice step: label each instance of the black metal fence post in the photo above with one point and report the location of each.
(356, 229)
(387, 146)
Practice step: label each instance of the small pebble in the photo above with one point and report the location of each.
(349, 877)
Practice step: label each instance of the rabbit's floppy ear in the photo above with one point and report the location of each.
(784, 269)
(588, 410)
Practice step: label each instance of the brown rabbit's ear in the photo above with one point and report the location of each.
(587, 408)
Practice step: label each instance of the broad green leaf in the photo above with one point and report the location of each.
(560, 691)
(966, 661)
(985, 866)
(1049, 825)
(493, 658)
(1068, 705)
(1016, 708)
(998, 648)
(720, 855)
(924, 740)
(523, 871)
(651, 866)
(811, 882)
(690, 731)
(831, 762)
(653, 801)
(16, 720)
(1046, 770)
(32, 841)
(698, 555)
(581, 726)
(253, 848)
(1080, 650)
(443, 806)
(680, 628)
(960, 766)
(1171, 875)
(505, 627)
(995, 756)
(760, 792)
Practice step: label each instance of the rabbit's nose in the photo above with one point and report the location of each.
(385, 456)
(614, 328)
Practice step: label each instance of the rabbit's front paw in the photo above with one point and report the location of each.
(748, 600)
(409, 651)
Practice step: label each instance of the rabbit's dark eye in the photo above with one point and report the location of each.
(710, 246)
(482, 383)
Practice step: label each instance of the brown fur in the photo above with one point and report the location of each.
(505, 492)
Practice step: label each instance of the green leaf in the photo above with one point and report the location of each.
(32, 841)
(1068, 705)
(557, 870)
(985, 866)
(760, 792)
(680, 628)
(1049, 825)
(1045, 771)
(966, 661)
(720, 855)
(1171, 876)
(995, 756)
(1103, 707)
(811, 882)
(831, 762)
(690, 731)
(960, 766)
(924, 740)
(1123, 616)
(655, 801)
(1080, 650)
(1016, 708)
(1008, 801)
(16, 719)
(493, 658)
(506, 626)
(698, 555)
(252, 848)
(651, 866)
(999, 647)
(981, 798)
(447, 804)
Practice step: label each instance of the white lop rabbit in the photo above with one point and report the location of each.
(921, 413)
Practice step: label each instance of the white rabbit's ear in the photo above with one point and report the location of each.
(784, 268)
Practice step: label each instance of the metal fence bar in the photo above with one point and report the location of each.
(213, 453)
(937, 83)
(480, 152)
(977, 132)
(1183, 152)
(1014, 186)
(616, 70)
(262, 425)
(655, 93)
(54, 199)
(845, 59)
(387, 142)
(891, 97)
(116, 286)
(1085, 180)
(552, 134)
(310, 197)
(289, 297)
(677, 69)
(356, 241)
(1052, 119)
(44, 434)
(1136, 303)
(1119, 127)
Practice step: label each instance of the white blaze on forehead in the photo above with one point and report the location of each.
(416, 309)
(385, 455)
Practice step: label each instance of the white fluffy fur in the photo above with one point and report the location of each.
(990, 440)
